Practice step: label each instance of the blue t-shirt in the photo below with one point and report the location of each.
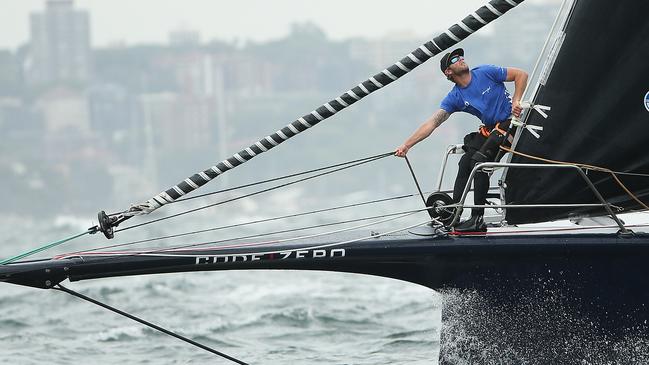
(485, 97)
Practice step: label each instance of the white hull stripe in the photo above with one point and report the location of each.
(493, 10)
(330, 108)
(191, 183)
(216, 169)
(453, 36)
(378, 84)
(426, 51)
(304, 123)
(341, 102)
(251, 152)
(271, 141)
(465, 27)
(353, 95)
(317, 115)
(435, 44)
(228, 164)
(389, 74)
(478, 18)
(401, 66)
(414, 58)
(510, 2)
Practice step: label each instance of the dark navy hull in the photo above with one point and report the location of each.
(599, 279)
(604, 272)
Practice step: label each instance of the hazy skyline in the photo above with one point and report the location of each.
(150, 21)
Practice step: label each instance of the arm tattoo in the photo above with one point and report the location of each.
(440, 117)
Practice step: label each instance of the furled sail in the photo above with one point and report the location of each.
(598, 88)
(476, 20)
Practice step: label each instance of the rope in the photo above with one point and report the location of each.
(354, 164)
(43, 248)
(412, 172)
(245, 224)
(148, 324)
(394, 216)
(339, 243)
(590, 167)
(276, 178)
(338, 167)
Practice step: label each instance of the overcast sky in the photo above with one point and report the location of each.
(147, 21)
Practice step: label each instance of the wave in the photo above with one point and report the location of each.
(539, 331)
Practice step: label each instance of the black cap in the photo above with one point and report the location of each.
(446, 59)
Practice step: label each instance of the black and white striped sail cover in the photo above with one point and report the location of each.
(454, 34)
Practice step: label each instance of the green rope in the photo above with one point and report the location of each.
(43, 248)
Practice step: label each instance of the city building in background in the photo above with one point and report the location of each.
(122, 122)
(59, 44)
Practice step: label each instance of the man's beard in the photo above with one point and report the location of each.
(462, 72)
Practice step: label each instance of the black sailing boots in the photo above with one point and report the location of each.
(473, 224)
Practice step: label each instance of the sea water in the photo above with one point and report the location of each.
(259, 317)
(278, 317)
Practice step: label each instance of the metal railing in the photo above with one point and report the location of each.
(496, 165)
(456, 149)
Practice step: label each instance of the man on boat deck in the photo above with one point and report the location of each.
(480, 92)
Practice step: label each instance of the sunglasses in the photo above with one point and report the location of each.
(455, 59)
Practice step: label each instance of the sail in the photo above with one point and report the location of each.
(597, 88)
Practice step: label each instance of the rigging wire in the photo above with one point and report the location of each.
(276, 179)
(590, 167)
(44, 247)
(349, 165)
(61, 288)
(315, 246)
(339, 243)
(345, 165)
(253, 222)
(394, 216)
(412, 172)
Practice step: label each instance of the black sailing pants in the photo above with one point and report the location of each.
(478, 149)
